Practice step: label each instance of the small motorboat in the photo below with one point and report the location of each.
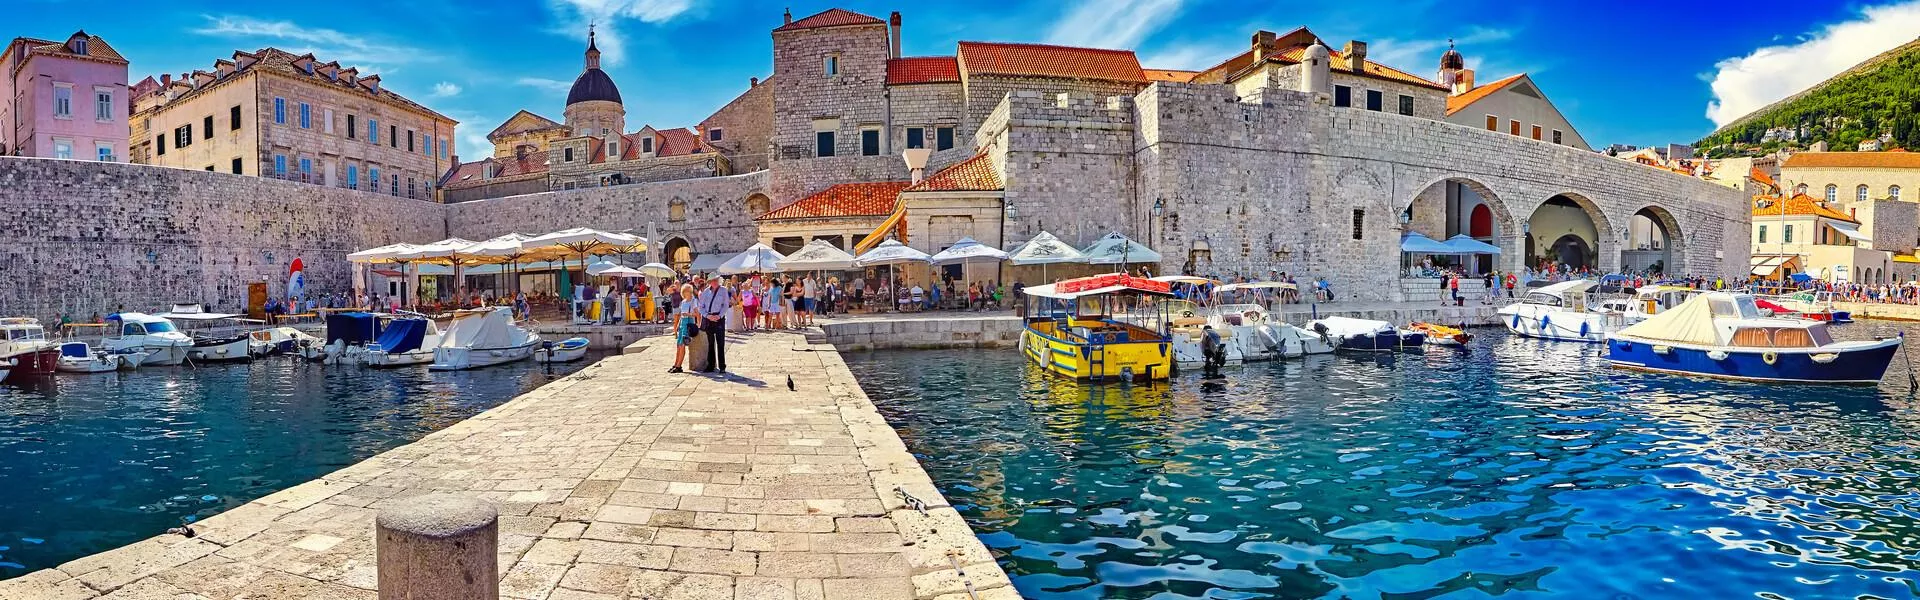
(1441, 335)
(24, 341)
(156, 337)
(482, 337)
(78, 357)
(1366, 335)
(1293, 341)
(1722, 334)
(407, 340)
(277, 340)
(347, 336)
(567, 350)
(209, 346)
(1561, 312)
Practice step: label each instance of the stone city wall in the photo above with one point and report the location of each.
(1067, 164)
(85, 237)
(710, 212)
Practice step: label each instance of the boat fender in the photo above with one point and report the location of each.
(1516, 321)
(1824, 357)
(1544, 323)
(1769, 357)
(1717, 354)
(1662, 349)
(1583, 329)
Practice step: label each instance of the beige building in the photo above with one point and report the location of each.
(1514, 105)
(844, 215)
(1825, 241)
(1855, 176)
(274, 114)
(525, 129)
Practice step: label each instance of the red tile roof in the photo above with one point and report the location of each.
(832, 17)
(872, 199)
(474, 174)
(1040, 60)
(1170, 75)
(1457, 103)
(971, 175)
(923, 69)
(1293, 45)
(1865, 160)
(1800, 204)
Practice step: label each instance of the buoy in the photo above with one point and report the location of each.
(1769, 357)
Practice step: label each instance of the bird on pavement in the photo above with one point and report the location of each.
(790, 383)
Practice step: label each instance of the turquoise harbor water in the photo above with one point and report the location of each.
(93, 462)
(1516, 468)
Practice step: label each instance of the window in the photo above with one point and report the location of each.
(1536, 132)
(646, 145)
(568, 153)
(1374, 100)
(373, 179)
(613, 150)
(326, 120)
(1513, 127)
(236, 166)
(373, 131)
(206, 127)
(1833, 192)
(396, 184)
(80, 47)
(306, 167)
(1359, 222)
(233, 118)
(1786, 234)
(1342, 95)
(831, 66)
(409, 187)
(1556, 136)
(306, 116)
(1860, 194)
(103, 151)
(426, 145)
(942, 138)
(409, 140)
(353, 176)
(443, 147)
(1493, 123)
(103, 106)
(1800, 189)
(916, 138)
(716, 134)
(1893, 192)
(280, 110)
(351, 132)
(1406, 105)
(160, 145)
(280, 164)
(869, 142)
(823, 143)
(183, 136)
(63, 101)
(62, 148)
(393, 136)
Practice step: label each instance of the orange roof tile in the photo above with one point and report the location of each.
(923, 69)
(1800, 204)
(1456, 103)
(1170, 75)
(474, 174)
(1293, 45)
(971, 175)
(1041, 60)
(832, 17)
(1863, 160)
(870, 199)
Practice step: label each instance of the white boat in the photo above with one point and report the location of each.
(482, 337)
(213, 347)
(162, 343)
(1186, 332)
(277, 340)
(1720, 334)
(24, 342)
(406, 340)
(347, 338)
(1561, 312)
(567, 350)
(78, 357)
(1366, 335)
(131, 358)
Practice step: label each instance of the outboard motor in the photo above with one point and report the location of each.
(1213, 349)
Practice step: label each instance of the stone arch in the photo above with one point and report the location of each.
(1674, 239)
(678, 253)
(1606, 242)
(757, 204)
(1498, 219)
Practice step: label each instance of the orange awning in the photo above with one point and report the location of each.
(896, 221)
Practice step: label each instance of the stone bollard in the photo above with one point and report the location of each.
(438, 546)
(697, 352)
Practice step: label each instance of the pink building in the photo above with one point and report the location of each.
(63, 99)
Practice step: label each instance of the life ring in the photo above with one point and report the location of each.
(1186, 314)
(1769, 357)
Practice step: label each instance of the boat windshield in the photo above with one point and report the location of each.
(160, 327)
(1543, 299)
(1738, 307)
(27, 333)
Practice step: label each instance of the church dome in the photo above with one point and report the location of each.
(593, 84)
(1452, 59)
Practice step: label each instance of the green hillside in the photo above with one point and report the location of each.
(1878, 96)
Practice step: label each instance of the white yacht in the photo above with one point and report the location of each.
(161, 342)
(1561, 311)
(482, 337)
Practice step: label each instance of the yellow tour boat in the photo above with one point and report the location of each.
(1079, 328)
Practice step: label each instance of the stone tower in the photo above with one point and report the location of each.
(1454, 72)
(593, 105)
(1316, 69)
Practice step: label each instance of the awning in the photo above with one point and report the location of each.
(1414, 242)
(1766, 265)
(1850, 230)
(897, 220)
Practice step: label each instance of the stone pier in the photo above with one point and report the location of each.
(619, 481)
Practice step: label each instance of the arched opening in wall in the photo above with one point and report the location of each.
(1567, 232)
(1457, 206)
(758, 204)
(1652, 237)
(679, 254)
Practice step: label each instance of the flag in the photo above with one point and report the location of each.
(296, 279)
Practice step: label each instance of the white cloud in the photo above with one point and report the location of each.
(1748, 83)
(607, 15)
(474, 146)
(325, 44)
(1112, 23)
(552, 86)
(445, 89)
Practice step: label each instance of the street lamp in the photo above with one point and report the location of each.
(1159, 209)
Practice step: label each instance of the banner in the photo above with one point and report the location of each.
(296, 280)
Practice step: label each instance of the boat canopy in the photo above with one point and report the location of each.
(1691, 322)
(1255, 285)
(193, 312)
(1115, 283)
(353, 327)
(1566, 288)
(482, 329)
(74, 350)
(1348, 326)
(403, 335)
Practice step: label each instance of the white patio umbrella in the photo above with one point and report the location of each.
(1045, 249)
(757, 258)
(445, 251)
(968, 250)
(583, 241)
(619, 271)
(1116, 249)
(891, 252)
(602, 267)
(507, 249)
(818, 255)
(388, 254)
(656, 270)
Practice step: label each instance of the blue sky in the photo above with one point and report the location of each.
(1622, 71)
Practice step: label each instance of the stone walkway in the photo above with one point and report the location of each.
(619, 481)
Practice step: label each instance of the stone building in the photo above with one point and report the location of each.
(1856, 176)
(1514, 105)
(271, 113)
(525, 129)
(63, 99)
(1830, 241)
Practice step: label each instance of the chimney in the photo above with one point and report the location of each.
(786, 17)
(166, 79)
(1463, 82)
(893, 21)
(1356, 53)
(753, 82)
(917, 162)
(1263, 46)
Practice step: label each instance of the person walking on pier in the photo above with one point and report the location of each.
(714, 303)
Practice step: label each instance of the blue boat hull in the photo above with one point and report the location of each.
(1383, 342)
(1859, 366)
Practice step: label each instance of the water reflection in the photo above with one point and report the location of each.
(1515, 466)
